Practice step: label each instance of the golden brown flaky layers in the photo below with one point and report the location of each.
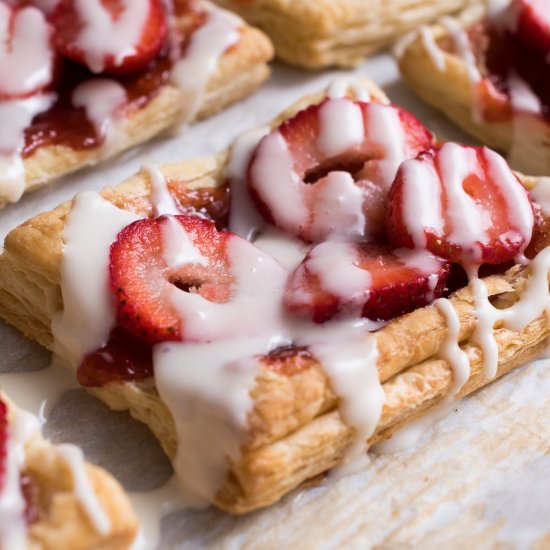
(62, 523)
(241, 69)
(323, 33)
(524, 138)
(295, 430)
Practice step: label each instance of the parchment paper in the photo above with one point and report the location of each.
(480, 479)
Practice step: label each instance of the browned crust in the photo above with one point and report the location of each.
(337, 32)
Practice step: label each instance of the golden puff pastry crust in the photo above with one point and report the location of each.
(61, 521)
(295, 429)
(337, 32)
(240, 70)
(449, 88)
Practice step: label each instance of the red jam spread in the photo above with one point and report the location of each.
(500, 54)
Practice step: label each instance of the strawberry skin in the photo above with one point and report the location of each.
(533, 23)
(396, 282)
(311, 165)
(3, 441)
(486, 218)
(140, 277)
(68, 25)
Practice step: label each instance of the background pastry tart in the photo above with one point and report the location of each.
(489, 73)
(50, 497)
(337, 32)
(317, 326)
(80, 82)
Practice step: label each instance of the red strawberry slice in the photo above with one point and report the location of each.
(101, 33)
(3, 441)
(461, 203)
(27, 56)
(141, 275)
(360, 279)
(531, 22)
(327, 170)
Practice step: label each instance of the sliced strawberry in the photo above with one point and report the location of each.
(141, 277)
(327, 170)
(359, 279)
(531, 22)
(27, 56)
(3, 441)
(102, 34)
(461, 203)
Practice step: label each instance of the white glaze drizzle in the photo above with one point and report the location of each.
(335, 264)
(351, 367)
(244, 218)
(431, 47)
(26, 54)
(83, 490)
(541, 194)
(342, 85)
(422, 195)
(13, 527)
(450, 350)
(177, 247)
(384, 129)
(103, 100)
(103, 36)
(208, 43)
(340, 127)
(462, 47)
(88, 313)
(161, 199)
(15, 116)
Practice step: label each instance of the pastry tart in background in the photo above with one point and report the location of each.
(81, 82)
(489, 72)
(345, 301)
(50, 497)
(337, 32)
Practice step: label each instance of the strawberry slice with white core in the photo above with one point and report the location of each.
(461, 203)
(363, 280)
(3, 441)
(112, 36)
(326, 171)
(27, 56)
(177, 278)
(530, 21)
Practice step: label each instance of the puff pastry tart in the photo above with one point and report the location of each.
(50, 497)
(490, 73)
(83, 81)
(333, 311)
(337, 32)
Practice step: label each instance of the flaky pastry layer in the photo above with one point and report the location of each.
(241, 69)
(62, 522)
(337, 32)
(451, 92)
(295, 430)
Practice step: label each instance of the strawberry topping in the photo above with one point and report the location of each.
(369, 280)
(531, 22)
(327, 170)
(111, 36)
(152, 255)
(27, 57)
(3, 441)
(461, 203)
